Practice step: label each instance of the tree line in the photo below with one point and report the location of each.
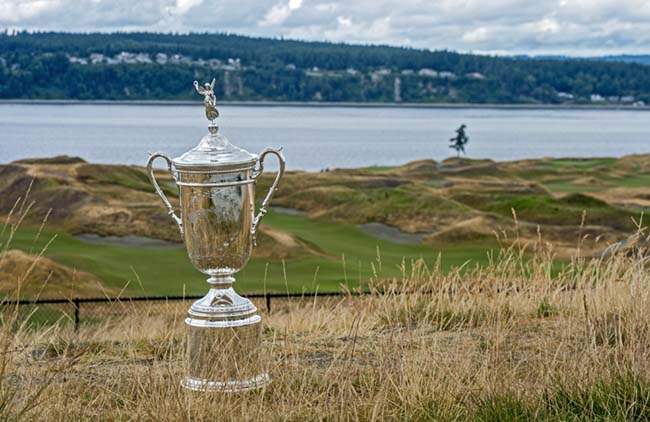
(38, 66)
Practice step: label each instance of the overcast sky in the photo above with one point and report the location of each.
(575, 27)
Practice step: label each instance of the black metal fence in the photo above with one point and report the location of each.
(78, 310)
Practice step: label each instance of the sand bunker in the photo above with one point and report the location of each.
(392, 234)
(131, 241)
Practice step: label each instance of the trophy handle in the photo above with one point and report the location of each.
(274, 186)
(170, 209)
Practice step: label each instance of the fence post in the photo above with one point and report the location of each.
(76, 313)
(268, 303)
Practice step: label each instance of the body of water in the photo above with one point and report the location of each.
(319, 137)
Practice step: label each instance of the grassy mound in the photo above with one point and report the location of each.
(411, 208)
(33, 276)
(123, 176)
(59, 159)
(548, 210)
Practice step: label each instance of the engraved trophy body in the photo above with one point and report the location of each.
(216, 182)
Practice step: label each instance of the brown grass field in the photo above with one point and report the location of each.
(513, 340)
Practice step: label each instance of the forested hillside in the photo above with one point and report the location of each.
(162, 66)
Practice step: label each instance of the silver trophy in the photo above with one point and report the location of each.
(216, 182)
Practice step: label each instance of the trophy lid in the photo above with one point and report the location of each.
(214, 152)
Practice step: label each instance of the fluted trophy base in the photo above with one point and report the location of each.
(223, 344)
(227, 386)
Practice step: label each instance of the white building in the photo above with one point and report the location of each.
(475, 75)
(378, 75)
(77, 60)
(161, 58)
(428, 73)
(446, 75)
(96, 58)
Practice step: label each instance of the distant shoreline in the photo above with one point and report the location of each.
(334, 104)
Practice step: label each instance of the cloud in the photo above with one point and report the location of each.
(182, 6)
(280, 12)
(579, 27)
(480, 34)
(13, 12)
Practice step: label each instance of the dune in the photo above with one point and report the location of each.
(27, 274)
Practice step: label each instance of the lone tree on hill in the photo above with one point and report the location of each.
(459, 141)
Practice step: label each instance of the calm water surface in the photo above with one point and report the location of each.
(318, 137)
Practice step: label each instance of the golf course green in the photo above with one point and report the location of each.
(349, 260)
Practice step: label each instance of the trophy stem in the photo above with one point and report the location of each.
(221, 281)
(223, 341)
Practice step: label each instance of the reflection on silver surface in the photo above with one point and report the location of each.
(218, 223)
(223, 350)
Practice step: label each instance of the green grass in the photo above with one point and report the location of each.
(632, 181)
(569, 187)
(629, 181)
(545, 209)
(168, 271)
(379, 168)
(624, 397)
(580, 164)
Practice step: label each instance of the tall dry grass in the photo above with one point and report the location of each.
(518, 339)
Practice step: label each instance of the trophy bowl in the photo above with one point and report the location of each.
(216, 182)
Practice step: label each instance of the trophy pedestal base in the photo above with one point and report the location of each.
(223, 344)
(226, 386)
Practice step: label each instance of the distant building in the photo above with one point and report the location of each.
(475, 75)
(408, 72)
(143, 58)
(377, 75)
(77, 60)
(428, 73)
(214, 63)
(161, 58)
(351, 71)
(125, 57)
(596, 98)
(627, 99)
(446, 75)
(290, 66)
(131, 58)
(96, 58)
(179, 59)
(233, 64)
(565, 96)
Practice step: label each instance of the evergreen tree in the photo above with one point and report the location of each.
(459, 141)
